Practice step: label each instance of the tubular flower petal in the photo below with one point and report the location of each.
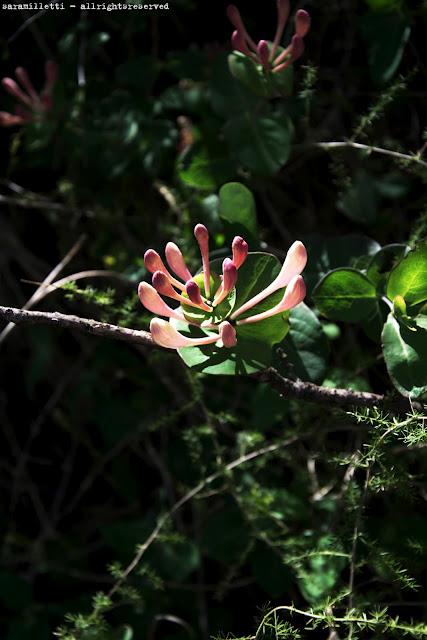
(193, 292)
(229, 279)
(164, 334)
(153, 263)
(302, 23)
(283, 8)
(35, 105)
(240, 251)
(13, 88)
(228, 334)
(202, 236)
(154, 303)
(24, 79)
(10, 120)
(176, 261)
(294, 294)
(235, 18)
(292, 53)
(238, 43)
(294, 263)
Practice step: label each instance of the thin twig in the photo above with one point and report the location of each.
(19, 316)
(326, 146)
(189, 496)
(40, 292)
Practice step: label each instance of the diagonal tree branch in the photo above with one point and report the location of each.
(295, 389)
(300, 390)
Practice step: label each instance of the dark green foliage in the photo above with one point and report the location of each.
(142, 499)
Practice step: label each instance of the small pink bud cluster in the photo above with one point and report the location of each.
(185, 290)
(262, 53)
(31, 105)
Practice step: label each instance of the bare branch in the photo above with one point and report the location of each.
(295, 389)
(320, 395)
(20, 316)
(327, 146)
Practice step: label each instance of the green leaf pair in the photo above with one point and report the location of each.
(352, 295)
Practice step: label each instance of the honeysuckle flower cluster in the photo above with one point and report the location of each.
(30, 104)
(206, 299)
(264, 54)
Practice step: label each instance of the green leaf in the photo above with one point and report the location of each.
(385, 34)
(405, 354)
(383, 261)
(261, 143)
(345, 294)
(252, 75)
(306, 344)
(203, 170)
(237, 207)
(321, 571)
(409, 278)
(249, 74)
(228, 96)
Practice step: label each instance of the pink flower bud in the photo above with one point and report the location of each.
(229, 271)
(263, 53)
(302, 23)
(24, 79)
(229, 279)
(234, 16)
(162, 284)
(283, 8)
(240, 251)
(297, 47)
(12, 87)
(294, 294)
(153, 262)
(290, 54)
(154, 303)
(10, 120)
(239, 44)
(167, 336)
(176, 261)
(294, 263)
(228, 334)
(193, 292)
(202, 236)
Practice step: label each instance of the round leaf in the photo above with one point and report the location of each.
(306, 344)
(405, 354)
(237, 207)
(345, 294)
(409, 278)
